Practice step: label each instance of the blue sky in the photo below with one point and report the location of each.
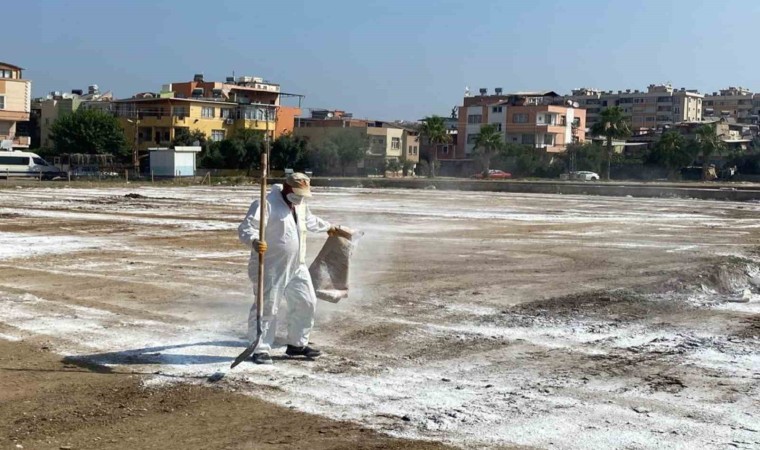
(392, 59)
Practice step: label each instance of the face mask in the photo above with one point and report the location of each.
(294, 199)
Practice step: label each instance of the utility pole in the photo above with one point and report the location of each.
(135, 150)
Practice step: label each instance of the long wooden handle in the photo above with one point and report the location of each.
(262, 228)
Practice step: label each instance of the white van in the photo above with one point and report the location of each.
(26, 164)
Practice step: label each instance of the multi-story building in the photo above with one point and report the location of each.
(446, 150)
(736, 102)
(15, 104)
(385, 140)
(217, 109)
(660, 105)
(56, 104)
(539, 119)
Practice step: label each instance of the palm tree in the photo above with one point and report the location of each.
(487, 143)
(709, 144)
(612, 124)
(434, 130)
(673, 152)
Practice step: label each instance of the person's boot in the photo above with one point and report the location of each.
(262, 358)
(306, 351)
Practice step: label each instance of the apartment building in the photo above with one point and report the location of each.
(56, 104)
(539, 119)
(218, 109)
(737, 102)
(385, 140)
(15, 105)
(660, 105)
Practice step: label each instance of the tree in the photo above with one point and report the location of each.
(584, 156)
(434, 130)
(673, 152)
(709, 144)
(88, 131)
(341, 148)
(289, 152)
(183, 137)
(393, 166)
(487, 144)
(612, 124)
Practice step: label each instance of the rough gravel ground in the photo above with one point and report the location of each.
(475, 319)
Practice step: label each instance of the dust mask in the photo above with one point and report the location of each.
(295, 198)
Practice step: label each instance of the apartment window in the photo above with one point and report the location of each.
(497, 109)
(471, 138)
(445, 150)
(592, 101)
(664, 99)
(497, 125)
(528, 139)
(217, 135)
(650, 119)
(548, 139)
(676, 110)
(520, 118)
(664, 118)
(475, 118)
(395, 143)
(625, 100)
(179, 111)
(2, 102)
(6, 74)
(225, 113)
(207, 112)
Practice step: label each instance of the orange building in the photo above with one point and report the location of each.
(15, 104)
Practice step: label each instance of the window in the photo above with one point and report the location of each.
(520, 118)
(475, 118)
(225, 113)
(445, 150)
(179, 111)
(6, 74)
(39, 161)
(497, 125)
(528, 139)
(625, 100)
(497, 109)
(592, 101)
(471, 138)
(217, 135)
(14, 160)
(2, 102)
(664, 99)
(548, 139)
(207, 112)
(395, 143)
(650, 119)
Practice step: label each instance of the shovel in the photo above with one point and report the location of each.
(260, 295)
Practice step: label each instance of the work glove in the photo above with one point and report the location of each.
(260, 246)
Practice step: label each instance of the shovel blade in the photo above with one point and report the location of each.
(247, 352)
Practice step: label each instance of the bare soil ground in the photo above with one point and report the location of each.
(478, 320)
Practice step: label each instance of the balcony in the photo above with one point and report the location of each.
(17, 141)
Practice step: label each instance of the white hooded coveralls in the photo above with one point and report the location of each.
(285, 271)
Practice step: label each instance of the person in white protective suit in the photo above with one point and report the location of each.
(285, 272)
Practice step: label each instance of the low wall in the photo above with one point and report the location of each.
(615, 189)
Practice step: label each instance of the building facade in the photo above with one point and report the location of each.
(56, 104)
(218, 109)
(659, 106)
(385, 141)
(737, 102)
(15, 104)
(538, 119)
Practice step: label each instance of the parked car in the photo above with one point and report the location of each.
(494, 175)
(584, 175)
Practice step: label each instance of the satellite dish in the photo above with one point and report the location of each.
(569, 103)
(575, 104)
(329, 115)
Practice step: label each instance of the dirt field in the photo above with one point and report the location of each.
(476, 320)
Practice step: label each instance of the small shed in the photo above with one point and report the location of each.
(179, 161)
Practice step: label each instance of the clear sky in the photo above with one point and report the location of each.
(391, 59)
